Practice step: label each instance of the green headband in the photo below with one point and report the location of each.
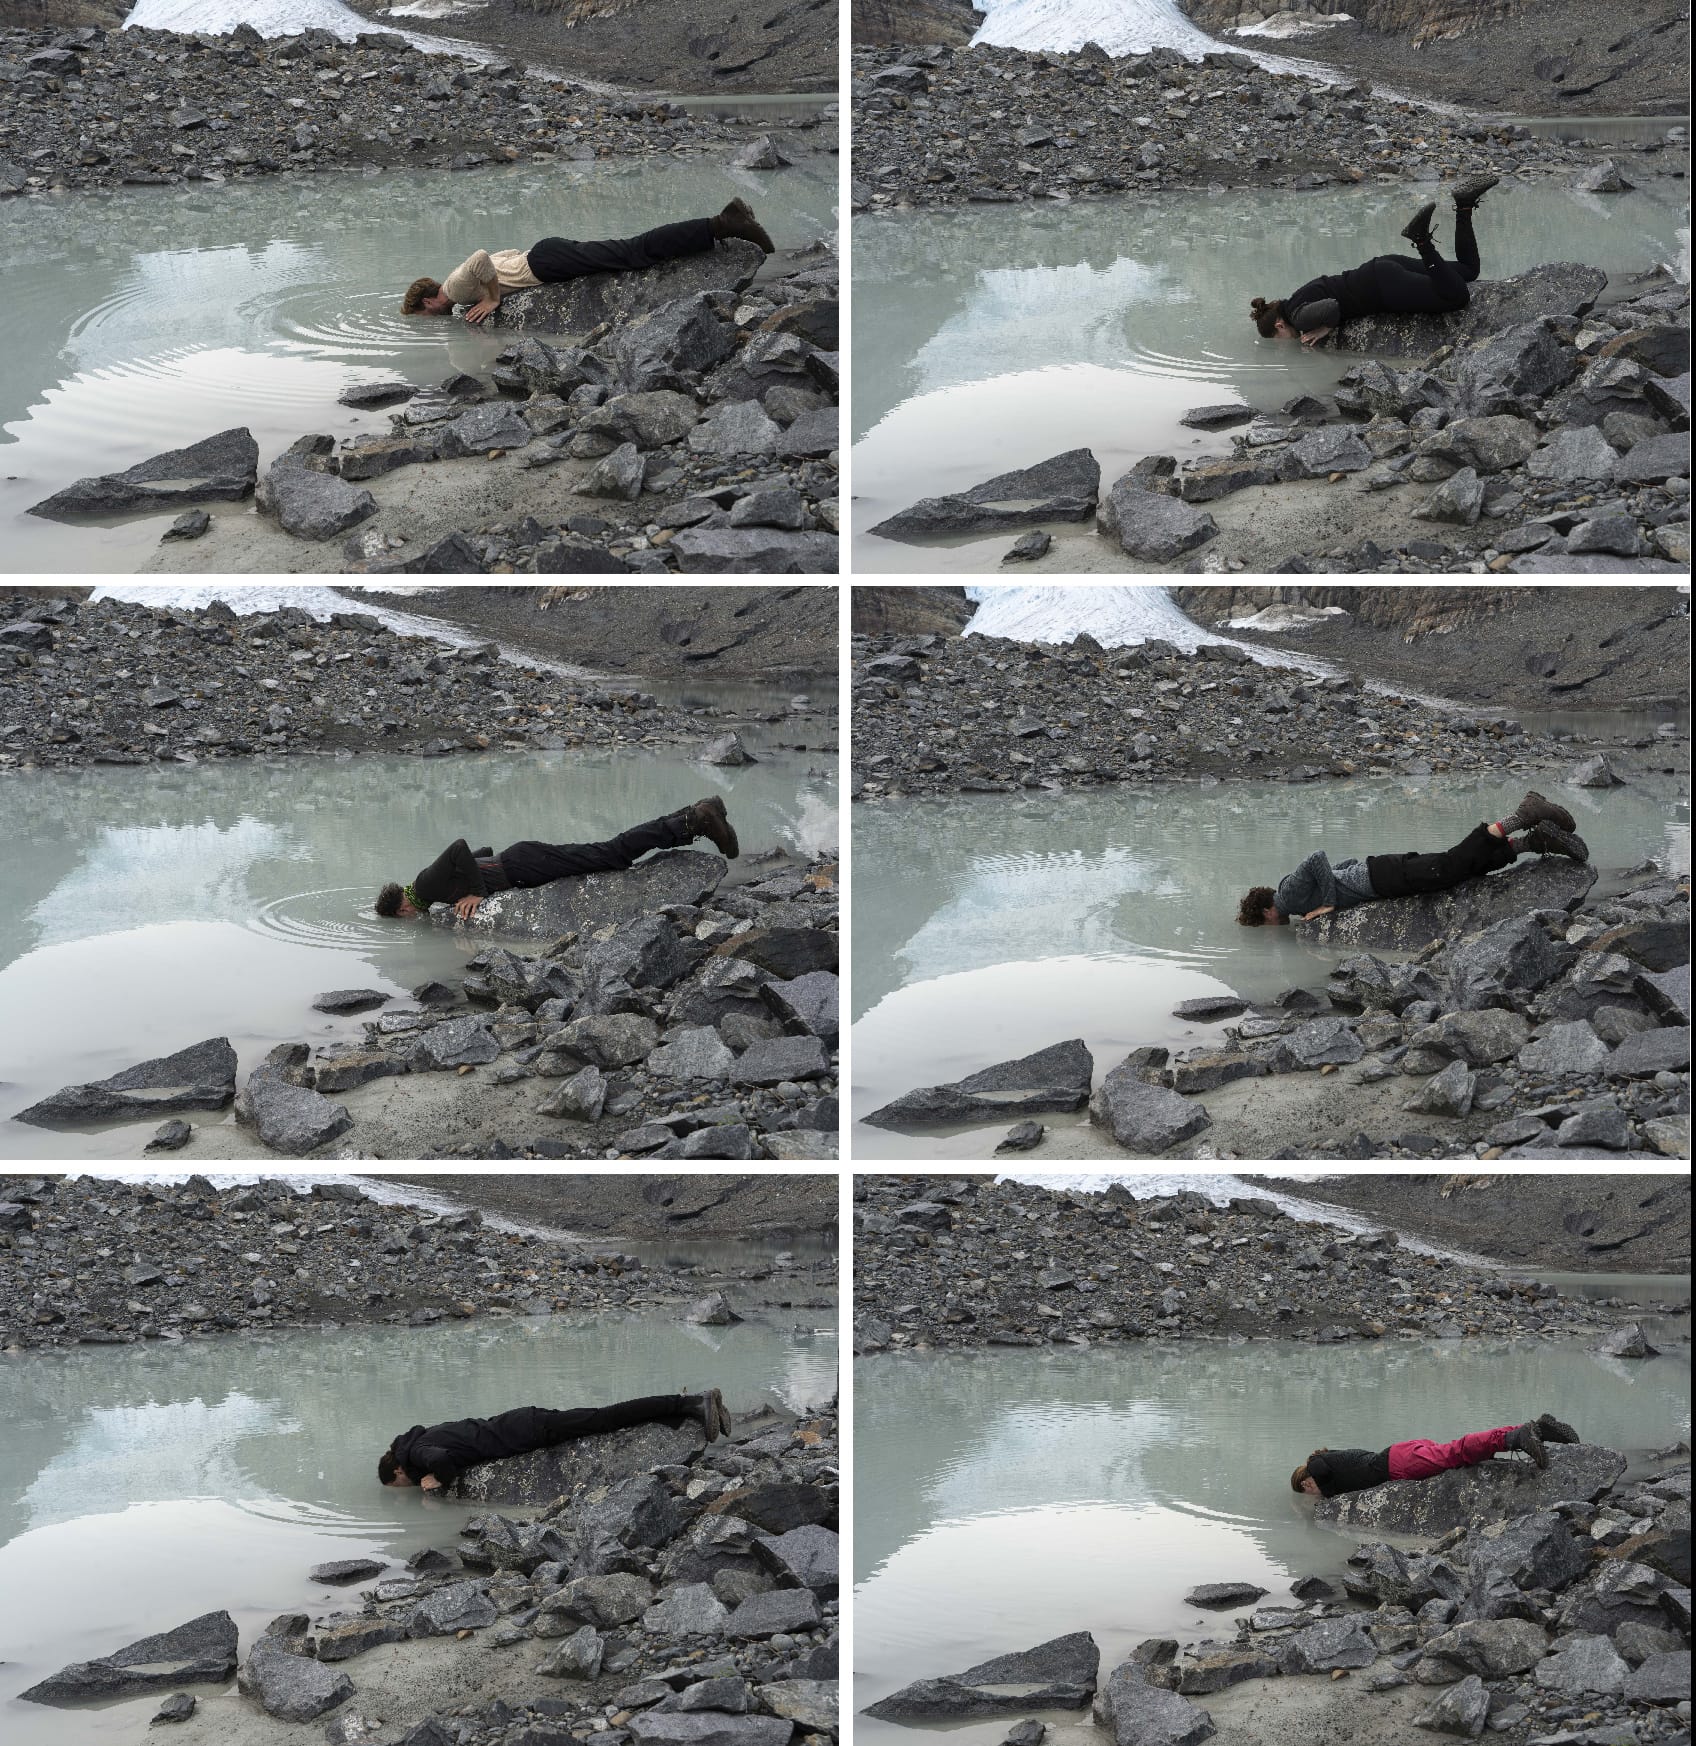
(411, 895)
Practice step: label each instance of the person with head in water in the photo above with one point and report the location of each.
(435, 1457)
(1317, 888)
(482, 279)
(1387, 284)
(464, 877)
(1329, 1472)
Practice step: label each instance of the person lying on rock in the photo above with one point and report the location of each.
(1387, 284)
(1328, 1472)
(464, 877)
(434, 1457)
(484, 278)
(1317, 888)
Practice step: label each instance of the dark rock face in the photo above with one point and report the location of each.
(1143, 1117)
(202, 1076)
(577, 305)
(1137, 1713)
(1062, 488)
(203, 1649)
(1055, 1078)
(566, 906)
(1058, 1674)
(1558, 288)
(219, 468)
(292, 1687)
(1495, 1489)
(549, 1473)
(1405, 924)
(289, 1118)
(312, 505)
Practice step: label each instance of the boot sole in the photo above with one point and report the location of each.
(713, 1418)
(1553, 1430)
(1563, 843)
(723, 837)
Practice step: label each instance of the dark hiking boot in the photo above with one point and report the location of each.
(1524, 1438)
(1469, 193)
(1547, 838)
(1552, 1430)
(1417, 230)
(706, 818)
(737, 219)
(1534, 809)
(723, 1414)
(709, 1409)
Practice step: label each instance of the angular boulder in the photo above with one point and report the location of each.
(202, 1076)
(202, 1649)
(545, 1474)
(291, 1119)
(1493, 1490)
(1145, 1118)
(1557, 288)
(1152, 526)
(294, 1688)
(312, 505)
(566, 906)
(576, 305)
(1062, 488)
(221, 468)
(1055, 1078)
(1405, 924)
(1135, 1713)
(1059, 1674)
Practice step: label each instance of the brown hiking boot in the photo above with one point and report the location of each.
(1534, 808)
(1553, 1430)
(737, 219)
(1547, 838)
(706, 818)
(1524, 1438)
(1470, 192)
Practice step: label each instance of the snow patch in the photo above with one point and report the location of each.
(1056, 613)
(1284, 616)
(1121, 27)
(280, 18)
(1283, 25)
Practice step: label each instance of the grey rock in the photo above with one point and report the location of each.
(496, 424)
(170, 1136)
(219, 468)
(339, 1000)
(573, 905)
(1062, 488)
(581, 1098)
(1628, 1342)
(809, 1003)
(808, 1556)
(1144, 1118)
(546, 1474)
(776, 1059)
(708, 1728)
(1135, 1713)
(291, 1687)
(1649, 1052)
(1463, 1709)
(579, 1656)
(1150, 525)
(1653, 461)
(779, 1610)
(178, 1707)
(1491, 1648)
(1060, 1673)
(761, 551)
(1581, 1665)
(692, 1052)
(1559, 288)
(712, 1311)
(458, 1606)
(577, 305)
(1224, 1594)
(618, 475)
(345, 1570)
(1663, 1678)
(203, 1649)
(1495, 1490)
(735, 427)
(312, 505)
(1448, 1093)
(1565, 1051)
(812, 1703)
(1460, 499)
(689, 1610)
(1572, 454)
(1055, 1078)
(201, 1076)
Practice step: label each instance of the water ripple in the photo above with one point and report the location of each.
(339, 918)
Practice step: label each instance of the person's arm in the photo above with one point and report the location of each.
(1299, 891)
(476, 282)
(435, 1466)
(1313, 914)
(452, 875)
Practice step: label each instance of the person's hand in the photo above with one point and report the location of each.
(1314, 914)
(1311, 338)
(480, 311)
(466, 908)
(429, 1483)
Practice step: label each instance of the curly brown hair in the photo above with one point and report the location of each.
(387, 1466)
(1266, 316)
(416, 292)
(388, 899)
(1251, 912)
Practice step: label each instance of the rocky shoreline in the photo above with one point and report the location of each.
(1526, 1015)
(90, 109)
(957, 1263)
(936, 716)
(1020, 125)
(662, 1018)
(111, 682)
(110, 1261)
(644, 1589)
(1542, 1607)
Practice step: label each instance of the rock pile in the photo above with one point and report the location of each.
(953, 1262)
(936, 126)
(103, 1261)
(982, 715)
(91, 108)
(116, 683)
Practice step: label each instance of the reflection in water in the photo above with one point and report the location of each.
(990, 337)
(1009, 1497)
(989, 926)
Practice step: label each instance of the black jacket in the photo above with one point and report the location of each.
(460, 872)
(1339, 1470)
(1355, 292)
(449, 1450)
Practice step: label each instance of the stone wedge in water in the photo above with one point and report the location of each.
(577, 305)
(1405, 924)
(221, 468)
(202, 1649)
(202, 1076)
(1062, 488)
(1557, 288)
(540, 1477)
(1055, 1078)
(566, 906)
(1494, 1490)
(1058, 1674)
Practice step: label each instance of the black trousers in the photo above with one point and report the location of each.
(1429, 285)
(545, 1427)
(531, 863)
(1479, 852)
(557, 257)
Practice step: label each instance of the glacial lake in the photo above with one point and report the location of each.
(157, 316)
(153, 907)
(143, 1485)
(1004, 1498)
(988, 926)
(990, 337)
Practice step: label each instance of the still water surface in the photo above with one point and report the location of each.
(143, 1485)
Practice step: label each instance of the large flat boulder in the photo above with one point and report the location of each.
(1062, 488)
(543, 912)
(203, 1649)
(1557, 288)
(1135, 1713)
(1494, 1490)
(540, 1477)
(1059, 1674)
(221, 468)
(202, 1076)
(1406, 924)
(1055, 1078)
(576, 305)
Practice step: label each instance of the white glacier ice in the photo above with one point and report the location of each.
(1057, 612)
(1122, 27)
